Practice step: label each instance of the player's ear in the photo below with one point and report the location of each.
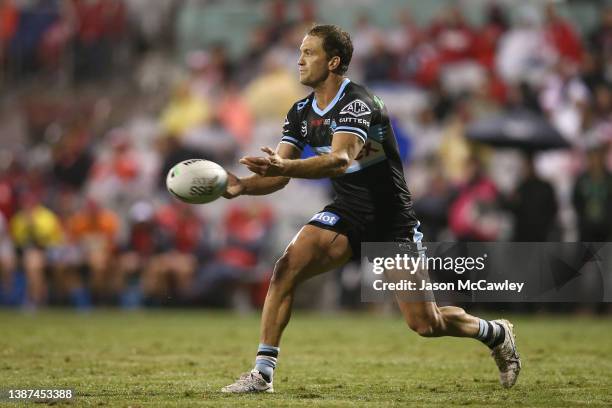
(333, 63)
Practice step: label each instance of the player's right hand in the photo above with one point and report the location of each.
(234, 186)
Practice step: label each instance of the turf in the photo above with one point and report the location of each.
(182, 358)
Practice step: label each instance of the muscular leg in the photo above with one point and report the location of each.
(429, 320)
(313, 251)
(423, 315)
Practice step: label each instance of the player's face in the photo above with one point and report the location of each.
(313, 63)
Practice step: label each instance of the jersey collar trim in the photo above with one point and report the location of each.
(333, 102)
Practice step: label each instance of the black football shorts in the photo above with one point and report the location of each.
(386, 225)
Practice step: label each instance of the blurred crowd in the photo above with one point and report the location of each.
(99, 102)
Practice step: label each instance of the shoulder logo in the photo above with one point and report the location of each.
(304, 128)
(300, 105)
(379, 102)
(356, 108)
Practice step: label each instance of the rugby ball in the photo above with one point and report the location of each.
(196, 181)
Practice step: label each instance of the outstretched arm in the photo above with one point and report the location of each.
(345, 147)
(259, 185)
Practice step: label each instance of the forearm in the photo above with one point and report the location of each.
(327, 165)
(258, 185)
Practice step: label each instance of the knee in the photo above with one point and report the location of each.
(429, 325)
(281, 268)
(285, 270)
(422, 328)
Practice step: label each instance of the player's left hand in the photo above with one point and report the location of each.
(270, 166)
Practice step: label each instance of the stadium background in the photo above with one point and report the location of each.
(100, 98)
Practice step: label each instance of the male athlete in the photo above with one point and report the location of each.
(349, 129)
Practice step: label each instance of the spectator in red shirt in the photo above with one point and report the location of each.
(423, 64)
(561, 34)
(236, 265)
(9, 18)
(485, 44)
(99, 24)
(473, 215)
(452, 36)
(8, 258)
(8, 194)
(171, 271)
(247, 232)
(139, 251)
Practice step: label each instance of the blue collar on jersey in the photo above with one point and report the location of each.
(333, 102)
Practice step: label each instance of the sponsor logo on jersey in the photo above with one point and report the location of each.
(326, 217)
(334, 125)
(368, 149)
(356, 108)
(355, 121)
(319, 122)
(371, 153)
(316, 122)
(304, 128)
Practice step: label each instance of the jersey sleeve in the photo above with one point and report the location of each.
(354, 117)
(292, 131)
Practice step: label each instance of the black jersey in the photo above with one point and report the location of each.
(374, 182)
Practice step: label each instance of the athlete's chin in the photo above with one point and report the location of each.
(309, 82)
(305, 81)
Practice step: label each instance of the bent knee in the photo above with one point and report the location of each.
(423, 329)
(427, 326)
(286, 269)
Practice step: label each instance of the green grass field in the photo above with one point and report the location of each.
(182, 358)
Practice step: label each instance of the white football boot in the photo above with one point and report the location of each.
(506, 356)
(249, 382)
